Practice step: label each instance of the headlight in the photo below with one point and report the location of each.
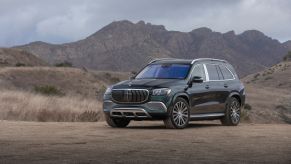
(108, 90)
(161, 91)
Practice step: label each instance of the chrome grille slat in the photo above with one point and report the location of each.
(130, 95)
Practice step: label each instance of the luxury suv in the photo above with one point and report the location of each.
(177, 91)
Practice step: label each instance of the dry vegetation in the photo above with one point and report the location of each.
(268, 94)
(53, 94)
(21, 105)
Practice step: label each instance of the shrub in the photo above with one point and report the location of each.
(247, 106)
(268, 78)
(64, 64)
(20, 65)
(48, 90)
(287, 57)
(257, 75)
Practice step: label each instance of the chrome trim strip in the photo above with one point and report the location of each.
(107, 101)
(207, 115)
(130, 110)
(206, 72)
(159, 102)
(148, 94)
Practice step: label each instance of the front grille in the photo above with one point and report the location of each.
(130, 95)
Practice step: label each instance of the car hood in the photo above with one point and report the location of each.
(148, 83)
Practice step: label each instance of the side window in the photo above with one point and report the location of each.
(198, 70)
(212, 72)
(226, 73)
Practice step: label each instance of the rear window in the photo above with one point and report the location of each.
(227, 75)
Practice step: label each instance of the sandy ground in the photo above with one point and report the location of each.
(143, 142)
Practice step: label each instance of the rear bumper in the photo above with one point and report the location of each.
(148, 111)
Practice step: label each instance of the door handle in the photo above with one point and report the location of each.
(207, 86)
(225, 85)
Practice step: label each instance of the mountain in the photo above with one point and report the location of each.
(287, 45)
(16, 57)
(127, 46)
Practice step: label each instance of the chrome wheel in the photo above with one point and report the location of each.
(235, 111)
(180, 113)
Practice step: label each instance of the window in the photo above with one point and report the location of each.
(164, 71)
(227, 75)
(199, 71)
(212, 72)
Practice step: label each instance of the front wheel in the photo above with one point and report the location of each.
(179, 115)
(116, 122)
(232, 113)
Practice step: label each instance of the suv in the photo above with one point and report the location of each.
(177, 91)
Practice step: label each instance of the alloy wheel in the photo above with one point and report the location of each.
(180, 113)
(235, 111)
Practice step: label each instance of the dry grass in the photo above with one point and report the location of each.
(26, 106)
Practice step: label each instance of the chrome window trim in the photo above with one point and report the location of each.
(206, 72)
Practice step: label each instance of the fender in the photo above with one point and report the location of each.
(181, 94)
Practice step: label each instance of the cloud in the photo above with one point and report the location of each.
(57, 21)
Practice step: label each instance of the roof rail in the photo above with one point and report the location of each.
(210, 59)
(159, 59)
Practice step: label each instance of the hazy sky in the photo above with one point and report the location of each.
(59, 21)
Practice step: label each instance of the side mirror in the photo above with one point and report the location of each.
(197, 79)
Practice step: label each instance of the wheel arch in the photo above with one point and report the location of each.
(182, 95)
(237, 96)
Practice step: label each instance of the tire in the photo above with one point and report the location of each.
(116, 122)
(232, 113)
(179, 115)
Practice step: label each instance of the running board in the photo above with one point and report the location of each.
(207, 115)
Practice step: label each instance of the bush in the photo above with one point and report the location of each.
(248, 107)
(48, 90)
(287, 57)
(64, 64)
(20, 65)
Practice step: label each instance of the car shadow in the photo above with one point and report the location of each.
(191, 125)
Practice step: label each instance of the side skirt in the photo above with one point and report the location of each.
(206, 116)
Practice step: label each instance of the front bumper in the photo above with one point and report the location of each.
(149, 110)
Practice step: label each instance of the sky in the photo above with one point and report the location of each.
(61, 21)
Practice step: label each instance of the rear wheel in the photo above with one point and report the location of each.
(232, 113)
(116, 122)
(179, 115)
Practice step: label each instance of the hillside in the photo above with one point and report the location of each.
(69, 81)
(126, 46)
(15, 57)
(268, 94)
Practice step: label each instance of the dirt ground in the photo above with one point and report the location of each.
(143, 142)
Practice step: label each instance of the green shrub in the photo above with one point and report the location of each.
(48, 90)
(248, 107)
(64, 64)
(287, 57)
(20, 65)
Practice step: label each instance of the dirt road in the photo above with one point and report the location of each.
(143, 142)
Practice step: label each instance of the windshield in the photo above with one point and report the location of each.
(164, 71)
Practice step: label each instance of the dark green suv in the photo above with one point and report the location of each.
(177, 91)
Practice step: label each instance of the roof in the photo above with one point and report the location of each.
(184, 61)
